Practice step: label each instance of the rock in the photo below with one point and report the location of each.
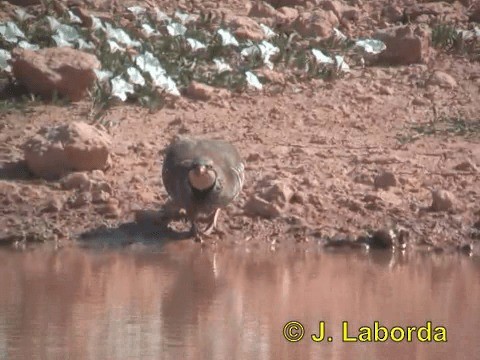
(418, 101)
(426, 11)
(385, 180)
(111, 209)
(392, 13)
(278, 193)
(466, 165)
(102, 186)
(286, 15)
(261, 9)
(65, 71)
(363, 178)
(272, 76)
(386, 90)
(84, 15)
(442, 79)
(475, 15)
(80, 199)
(405, 45)
(442, 200)
(257, 206)
(246, 28)
(53, 205)
(55, 151)
(100, 196)
(200, 91)
(317, 23)
(342, 11)
(79, 181)
(299, 197)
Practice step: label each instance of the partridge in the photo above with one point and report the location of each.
(201, 177)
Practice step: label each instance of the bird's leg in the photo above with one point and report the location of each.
(213, 222)
(171, 212)
(195, 233)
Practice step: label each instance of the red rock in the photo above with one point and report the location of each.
(405, 45)
(246, 28)
(67, 71)
(261, 9)
(200, 91)
(318, 23)
(55, 151)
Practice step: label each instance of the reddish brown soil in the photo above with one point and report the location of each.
(326, 139)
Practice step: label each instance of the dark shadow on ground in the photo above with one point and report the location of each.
(144, 231)
(15, 170)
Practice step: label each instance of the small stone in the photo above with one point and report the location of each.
(442, 200)
(84, 15)
(102, 186)
(442, 79)
(318, 23)
(100, 196)
(78, 180)
(111, 209)
(253, 157)
(467, 165)
(278, 193)
(385, 180)
(419, 101)
(385, 90)
(80, 199)
(257, 206)
(298, 197)
(97, 175)
(392, 13)
(200, 91)
(53, 205)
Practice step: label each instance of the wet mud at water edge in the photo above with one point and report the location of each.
(185, 300)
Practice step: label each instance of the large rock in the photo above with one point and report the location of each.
(247, 28)
(405, 45)
(341, 10)
(67, 71)
(55, 151)
(287, 15)
(261, 9)
(317, 23)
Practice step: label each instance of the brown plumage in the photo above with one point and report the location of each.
(201, 177)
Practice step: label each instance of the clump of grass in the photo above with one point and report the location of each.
(444, 126)
(452, 40)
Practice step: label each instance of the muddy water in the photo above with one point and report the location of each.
(185, 301)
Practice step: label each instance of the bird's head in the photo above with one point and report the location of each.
(202, 175)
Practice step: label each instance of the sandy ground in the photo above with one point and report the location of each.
(326, 140)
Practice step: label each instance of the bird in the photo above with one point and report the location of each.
(201, 176)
